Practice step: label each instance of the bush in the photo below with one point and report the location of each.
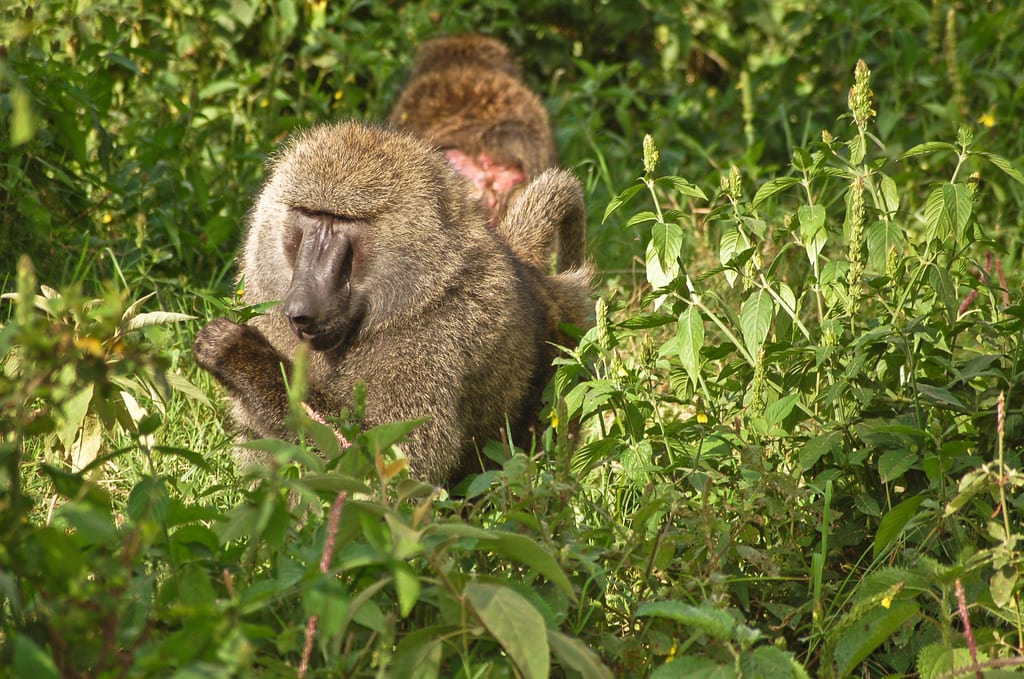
(800, 424)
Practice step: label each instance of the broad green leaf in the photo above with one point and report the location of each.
(779, 410)
(771, 187)
(813, 234)
(381, 437)
(573, 654)
(733, 241)
(890, 196)
(857, 149)
(693, 667)
(657, 275)
(1004, 165)
(938, 660)
(927, 147)
(682, 186)
(691, 339)
(940, 396)
(642, 218)
(869, 632)
(23, 123)
(31, 661)
(515, 624)
(419, 653)
(218, 87)
(714, 622)
(894, 521)
(770, 662)
(512, 545)
(1001, 585)
(407, 586)
(72, 415)
(882, 236)
(755, 320)
(818, 446)
(972, 483)
(892, 464)
(668, 241)
(618, 201)
(947, 211)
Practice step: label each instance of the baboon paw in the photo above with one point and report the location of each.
(217, 342)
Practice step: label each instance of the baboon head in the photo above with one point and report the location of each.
(349, 227)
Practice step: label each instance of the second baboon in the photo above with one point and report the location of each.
(386, 268)
(465, 95)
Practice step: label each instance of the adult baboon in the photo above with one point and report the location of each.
(465, 96)
(387, 269)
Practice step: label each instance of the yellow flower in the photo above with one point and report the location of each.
(338, 95)
(988, 119)
(702, 417)
(264, 102)
(887, 602)
(107, 218)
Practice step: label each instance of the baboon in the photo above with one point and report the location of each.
(385, 266)
(465, 96)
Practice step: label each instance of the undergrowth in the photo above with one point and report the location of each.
(800, 424)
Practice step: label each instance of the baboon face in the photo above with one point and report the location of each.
(345, 231)
(325, 300)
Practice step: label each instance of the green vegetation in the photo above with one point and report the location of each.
(801, 450)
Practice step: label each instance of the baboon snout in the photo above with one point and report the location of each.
(302, 311)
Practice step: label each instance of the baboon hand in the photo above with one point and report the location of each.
(231, 351)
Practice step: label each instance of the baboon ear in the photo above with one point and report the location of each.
(551, 206)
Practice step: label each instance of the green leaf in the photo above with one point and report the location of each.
(515, 624)
(512, 545)
(882, 236)
(714, 622)
(693, 667)
(927, 147)
(23, 124)
(770, 662)
(657, 275)
(668, 241)
(642, 218)
(972, 483)
(947, 211)
(620, 200)
(573, 654)
(813, 234)
(682, 186)
(419, 653)
(407, 585)
(889, 194)
(755, 320)
(892, 464)
(779, 410)
(818, 446)
(771, 187)
(1003, 164)
(733, 241)
(1001, 585)
(31, 661)
(384, 436)
(691, 339)
(869, 632)
(894, 521)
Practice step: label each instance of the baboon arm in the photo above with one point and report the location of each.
(252, 372)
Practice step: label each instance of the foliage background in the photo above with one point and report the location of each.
(771, 482)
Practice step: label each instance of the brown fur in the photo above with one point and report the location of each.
(387, 268)
(465, 94)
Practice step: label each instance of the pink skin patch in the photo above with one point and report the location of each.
(491, 179)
